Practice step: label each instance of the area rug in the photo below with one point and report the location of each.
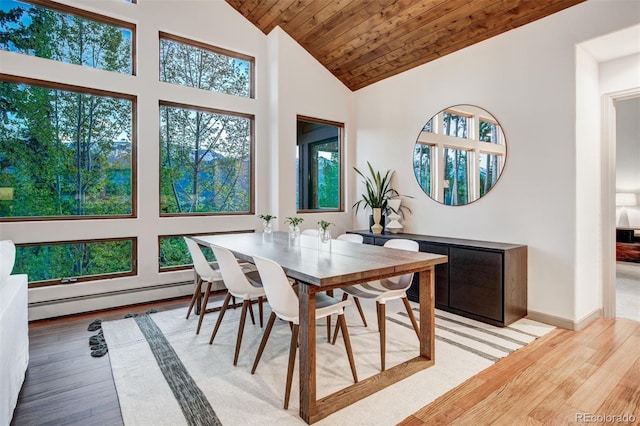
(165, 374)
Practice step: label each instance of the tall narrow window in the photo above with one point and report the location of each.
(67, 34)
(456, 175)
(206, 161)
(193, 64)
(319, 174)
(422, 158)
(65, 152)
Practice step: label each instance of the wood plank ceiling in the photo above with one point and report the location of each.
(364, 41)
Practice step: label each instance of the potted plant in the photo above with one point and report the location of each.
(324, 233)
(294, 225)
(377, 193)
(266, 222)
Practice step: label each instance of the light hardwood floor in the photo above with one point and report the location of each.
(550, 381)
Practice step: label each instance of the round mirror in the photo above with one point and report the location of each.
(459, 155)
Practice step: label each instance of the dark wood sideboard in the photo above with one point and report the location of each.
(485, 281)
(627, 245)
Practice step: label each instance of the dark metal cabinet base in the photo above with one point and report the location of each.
(483, 280)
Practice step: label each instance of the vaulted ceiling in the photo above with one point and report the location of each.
(364, 41)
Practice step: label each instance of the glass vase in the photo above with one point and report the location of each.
(267, 227)
(294, 231)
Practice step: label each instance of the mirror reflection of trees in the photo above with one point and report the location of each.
(459, 155)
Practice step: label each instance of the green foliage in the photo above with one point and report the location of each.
(323, 224)
(174, 252)
(295, 221)
(205, 161)
(46, 262)
(267, 217)
(378, 190)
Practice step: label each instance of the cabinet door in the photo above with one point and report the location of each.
(442, 276)
(475, 282)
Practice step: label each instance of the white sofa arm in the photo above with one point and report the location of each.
(14, 332)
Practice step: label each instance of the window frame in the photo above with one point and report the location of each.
(214, 49)
(192, 234)
(252, 150)
(86, 278)
(304, 183)
(105, 19)
(134, 145)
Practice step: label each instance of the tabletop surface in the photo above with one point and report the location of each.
(305, 259)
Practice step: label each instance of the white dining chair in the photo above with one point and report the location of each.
(310, 232)
(204, 273)
(383, 291)
(241, 285)
(353, 238)
(285, 305)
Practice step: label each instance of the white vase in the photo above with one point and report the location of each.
(377, 216)
(394, 226)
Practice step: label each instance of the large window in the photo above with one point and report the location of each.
(65, 152)
(206, 161)
(189, 63)
(76, 261)
(319, 144)
(63, 33)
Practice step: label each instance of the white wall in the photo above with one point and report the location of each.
(527, 79)
(301, 86)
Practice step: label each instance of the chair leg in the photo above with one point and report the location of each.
(263, 342)
(196, 296)
(260, 310)
(222, 311)
(347, 344)
(329, 328)
(253, 320)
(411, 316)
(203, 306)
(357, 302)
(246, 304)
(292, 362)
(382, 328)
(335, 334)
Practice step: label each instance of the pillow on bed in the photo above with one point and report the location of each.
(7, 258)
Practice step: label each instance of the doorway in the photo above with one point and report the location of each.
(609, 217)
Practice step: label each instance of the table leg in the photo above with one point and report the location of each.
(307, 353)
(427, 313)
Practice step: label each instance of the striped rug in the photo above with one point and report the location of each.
(165, 374)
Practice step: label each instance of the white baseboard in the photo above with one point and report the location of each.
(564, 322)
(96, 302)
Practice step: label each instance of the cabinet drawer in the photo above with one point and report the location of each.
(475, 282)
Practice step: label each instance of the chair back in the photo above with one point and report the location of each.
(403, 244)
(234, 278)
(7, 259)
(282, 298)
(354, 238)
(200, 264)
(311, 232)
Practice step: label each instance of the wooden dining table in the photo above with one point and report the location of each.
(320, 267)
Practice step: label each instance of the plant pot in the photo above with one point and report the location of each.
(371, 222)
